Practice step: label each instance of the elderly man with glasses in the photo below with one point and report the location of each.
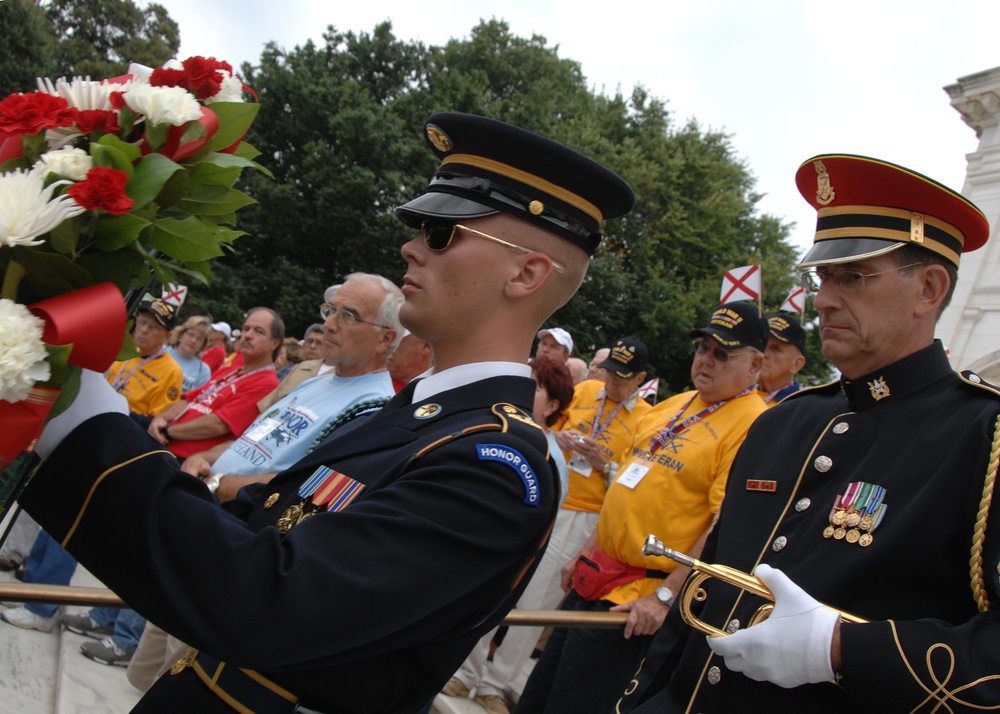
(671, 480)
(359, 579)
(863, 505)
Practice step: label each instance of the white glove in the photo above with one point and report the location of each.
(792, 646)
(96, 396)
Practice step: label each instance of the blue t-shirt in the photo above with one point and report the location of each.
(281, 436)
(196, 372)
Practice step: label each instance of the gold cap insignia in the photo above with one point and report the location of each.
(824, 190)
(535, 208)
(879, 389)
(271, 500)
(916, 228)
(426, 411)
(439, 140)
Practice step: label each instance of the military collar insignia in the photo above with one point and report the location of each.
(426, 411)
(879, 389)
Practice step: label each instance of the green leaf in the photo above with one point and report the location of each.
(115, 232)
(12, 277)
(11, 164)
(151, 177)
(70, 388)
(130, 150)
(214, 200)
(235, 119)
(111, 157)
(50, 274)
(65, 237)
(187, 239)
(58, 365)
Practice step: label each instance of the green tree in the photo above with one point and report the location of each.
(99, 38)
(26, 46)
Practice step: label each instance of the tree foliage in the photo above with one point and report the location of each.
(99, 38)
(26, 45)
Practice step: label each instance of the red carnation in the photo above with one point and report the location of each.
(103, 189)
(203, 76)
(168, 78)
(32, 113)
(89, 121)
(117, 100)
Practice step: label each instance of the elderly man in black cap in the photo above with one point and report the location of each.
(863, 505)
(358, 580)
(672, 479)
(784, 357)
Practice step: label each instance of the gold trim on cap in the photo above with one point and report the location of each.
(915, 234)
(529, 179)
(916, 228)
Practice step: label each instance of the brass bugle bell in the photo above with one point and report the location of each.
(700, 572)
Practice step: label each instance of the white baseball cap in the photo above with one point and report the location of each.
(224, 328)
(559, 335)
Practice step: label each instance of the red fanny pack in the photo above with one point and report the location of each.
(599, 574)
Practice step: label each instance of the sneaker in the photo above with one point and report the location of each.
(492, 703)
(22, 617)
(85, 625)
(455, 688)
(106, 652)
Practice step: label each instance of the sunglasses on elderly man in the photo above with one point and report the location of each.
(722, 356)
(438, 236)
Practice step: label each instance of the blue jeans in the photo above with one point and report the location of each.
(127, 624)
(48, 564)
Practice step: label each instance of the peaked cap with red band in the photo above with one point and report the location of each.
(490, 167)
(868, 207)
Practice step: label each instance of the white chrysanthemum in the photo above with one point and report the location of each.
(27, 208)
(22, 352)
(163, 105)
(81, 92)
(230, 91)
(69, 163)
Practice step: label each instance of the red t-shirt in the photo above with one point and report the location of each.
(213, 357)
(233, 400)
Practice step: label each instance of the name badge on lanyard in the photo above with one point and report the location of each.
(630, 477)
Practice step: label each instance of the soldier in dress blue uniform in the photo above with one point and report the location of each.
(871, 495)
(359, 579)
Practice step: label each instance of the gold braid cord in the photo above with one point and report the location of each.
(979, 534)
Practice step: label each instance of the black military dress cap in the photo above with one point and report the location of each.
(735, 325)
(490, 167)
(868, 207)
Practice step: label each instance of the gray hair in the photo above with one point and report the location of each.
(388, 311)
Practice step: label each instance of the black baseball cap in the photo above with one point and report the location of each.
(785, 327)
(164, 313)
(734, 325)
(627, 358)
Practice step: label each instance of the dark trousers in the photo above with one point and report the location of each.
(582, 669)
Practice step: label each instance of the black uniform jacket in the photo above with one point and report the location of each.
(925, 435)
(369, 609)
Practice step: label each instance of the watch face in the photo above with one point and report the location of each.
(664, 595)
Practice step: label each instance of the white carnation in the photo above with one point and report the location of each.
(231, 90)
(70, 163)
(22, 352)
(163, 105)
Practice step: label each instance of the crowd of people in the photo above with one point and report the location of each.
(414, 474)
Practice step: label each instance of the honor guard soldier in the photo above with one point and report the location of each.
(358, 580)
(869, 497)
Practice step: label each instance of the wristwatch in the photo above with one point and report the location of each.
(213, 482)
(665, 595)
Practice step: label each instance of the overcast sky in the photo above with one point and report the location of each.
(788, 80)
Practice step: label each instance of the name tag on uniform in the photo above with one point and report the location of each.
(579, 464)
(260, 432)
(631, 476)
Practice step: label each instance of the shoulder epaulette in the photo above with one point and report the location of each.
(973, 379)
(828, 386)
(508, 413)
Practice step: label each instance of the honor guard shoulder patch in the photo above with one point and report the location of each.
(970, 377)
(514, 459)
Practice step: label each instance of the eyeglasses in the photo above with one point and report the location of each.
(846, 279)
(439, 236)
(345, 317)
(722, 356)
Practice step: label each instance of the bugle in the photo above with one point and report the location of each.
(700, 572)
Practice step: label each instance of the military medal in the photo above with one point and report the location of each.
(828, 531)
(839, 533)
(866, 540)
(289, 518)
(866, 522)
(853, 535)
(325, 487)
(856, 513)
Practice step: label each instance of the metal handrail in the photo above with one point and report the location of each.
(102, 597)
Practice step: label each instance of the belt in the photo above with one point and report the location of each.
(246, 691)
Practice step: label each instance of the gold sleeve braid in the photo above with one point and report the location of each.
(979, 532)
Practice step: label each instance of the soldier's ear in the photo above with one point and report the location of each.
(535, 271)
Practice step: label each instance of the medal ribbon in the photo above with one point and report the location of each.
(671, 432)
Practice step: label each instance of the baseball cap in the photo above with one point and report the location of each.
(628, 357)
(734, 325)
(224, 328)
(559, 335)
(785, 327)
(164, 313)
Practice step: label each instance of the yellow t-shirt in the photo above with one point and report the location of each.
(675, 492)
(151, 387)
(586, 491)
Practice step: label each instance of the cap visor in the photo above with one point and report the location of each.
(846, 250)
(435, 204)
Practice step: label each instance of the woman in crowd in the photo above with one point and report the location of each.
(187, 341)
